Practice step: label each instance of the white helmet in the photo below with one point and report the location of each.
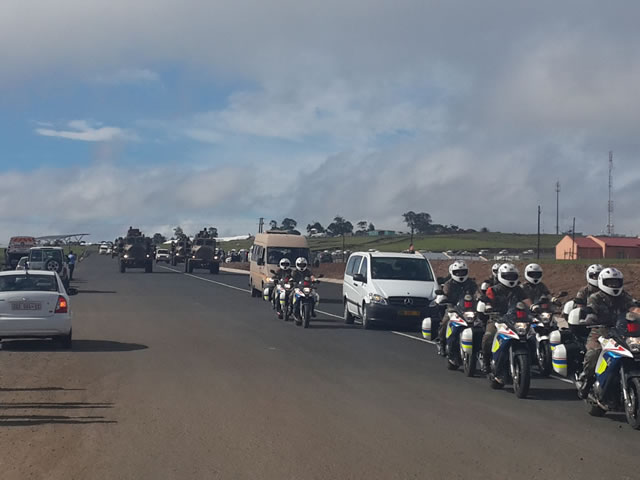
(533, 273)
(611, 281)
(508, 275)
(285, 263)
(459, 271)
(494, 270)
(484, 287)
(301, 263)
(592, 274)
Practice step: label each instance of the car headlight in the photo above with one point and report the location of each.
(379, 299)
(126, 256)
(521, 328)
(177, 254)
(215, 258)
(148, 256)
(306, 290)
(193, 256)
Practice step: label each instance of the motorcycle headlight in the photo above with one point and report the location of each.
(521, 328)
(148, 256)
(126, 256)
(287, 286)
(469, 315)
(177, 254)
(634, 344)
(269, 280)
(545, 316)
(306, 290)
(379, 299)
(215, 258)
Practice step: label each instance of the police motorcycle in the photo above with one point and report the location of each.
(617, 383)
(461, 317)
(307, 298)
(544, 323)
(437, 307)
(568, 344)
(268, 293)
(284, 295)
(510, 351)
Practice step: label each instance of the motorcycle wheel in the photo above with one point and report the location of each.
(544, 359)
(632, 407)
(521, 375)
(469, 364)
(306, 316)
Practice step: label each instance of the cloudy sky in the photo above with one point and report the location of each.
(202, 112)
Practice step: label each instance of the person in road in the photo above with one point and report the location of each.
(502, 297)
(603, 308)
(72, 263)
(301, 272)
(455, 289)
(533, 286)
(283, 272)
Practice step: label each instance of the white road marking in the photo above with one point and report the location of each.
(406, 335)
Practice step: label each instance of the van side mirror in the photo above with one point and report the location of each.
(358, 277)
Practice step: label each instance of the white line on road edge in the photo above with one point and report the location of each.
(412, 337)
(235, 288)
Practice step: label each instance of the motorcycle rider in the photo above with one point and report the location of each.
(454, 289)
(501, 297)
(493, 279)
(301, 272)
(284, 271)
(603, 308)
(533, 287)
(592, 283)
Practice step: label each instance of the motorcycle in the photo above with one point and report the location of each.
(617, 384)
(306, 299)
(268, 290)
(460, 319)
(568, 345)
(437, 307)
(471, 341)
(510, 353)
(284, 292)
(544, 323)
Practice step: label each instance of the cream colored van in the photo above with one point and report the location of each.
(268, 248)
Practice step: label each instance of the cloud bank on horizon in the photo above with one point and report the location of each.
(217, 113)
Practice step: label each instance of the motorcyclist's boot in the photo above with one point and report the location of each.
(584, 385)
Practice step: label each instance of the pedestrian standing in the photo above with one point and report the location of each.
(72, 264)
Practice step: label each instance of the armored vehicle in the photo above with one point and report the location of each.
(203, 254)
(136, 251)
(180, 250)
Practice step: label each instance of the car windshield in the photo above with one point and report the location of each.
(162, 250)
(28, 283)
(275, 254)
(400, 268)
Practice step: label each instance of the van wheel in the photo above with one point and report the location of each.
(348, 317)
(366, 323)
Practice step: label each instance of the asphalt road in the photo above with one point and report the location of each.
(178, 377)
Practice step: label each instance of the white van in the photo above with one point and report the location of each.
(267, 251)
(387, 287)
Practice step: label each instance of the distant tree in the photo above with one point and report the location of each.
(289, 224)
(372, 227)
(158, 238)
(418, 222)
(178, 232)
(484, 230)
(340, 226)
(362, 225)
(273, 225)
(213, 232)
(315, 226)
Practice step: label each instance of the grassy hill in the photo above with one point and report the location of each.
(465, 241)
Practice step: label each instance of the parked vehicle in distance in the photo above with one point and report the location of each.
(18, 247)
(387, 287)
(267, 251)
(34, 304)
(52, 259)
(162, 255)
(104, 249)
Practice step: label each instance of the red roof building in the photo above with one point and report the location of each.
(597, 247)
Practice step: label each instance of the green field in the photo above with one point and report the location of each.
(435, 243)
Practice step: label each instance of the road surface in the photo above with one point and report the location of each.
(176, 376)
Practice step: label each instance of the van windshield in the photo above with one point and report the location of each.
(274, 254)
(389, 268)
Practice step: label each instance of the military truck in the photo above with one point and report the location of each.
(203, 254)
(135, 251)
(180, 250)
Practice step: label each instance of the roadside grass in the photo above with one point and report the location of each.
(435, 243)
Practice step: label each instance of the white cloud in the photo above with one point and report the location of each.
(84, 131)
(128, 76)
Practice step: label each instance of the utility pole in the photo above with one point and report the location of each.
(573, 239)
(261, 225)
(610, 229)
(539, 212)
(558, 207)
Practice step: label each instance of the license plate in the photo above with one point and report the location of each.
(26, 306)
(409, 313)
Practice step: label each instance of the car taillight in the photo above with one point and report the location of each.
(468, 304)
(633, 327)
(62, 306)
(520, 314)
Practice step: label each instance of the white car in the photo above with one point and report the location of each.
(34, 304)
(162, 255)
(104, 249)
(387, 287)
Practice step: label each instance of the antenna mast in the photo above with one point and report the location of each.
(558, 207)
(610, 229)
